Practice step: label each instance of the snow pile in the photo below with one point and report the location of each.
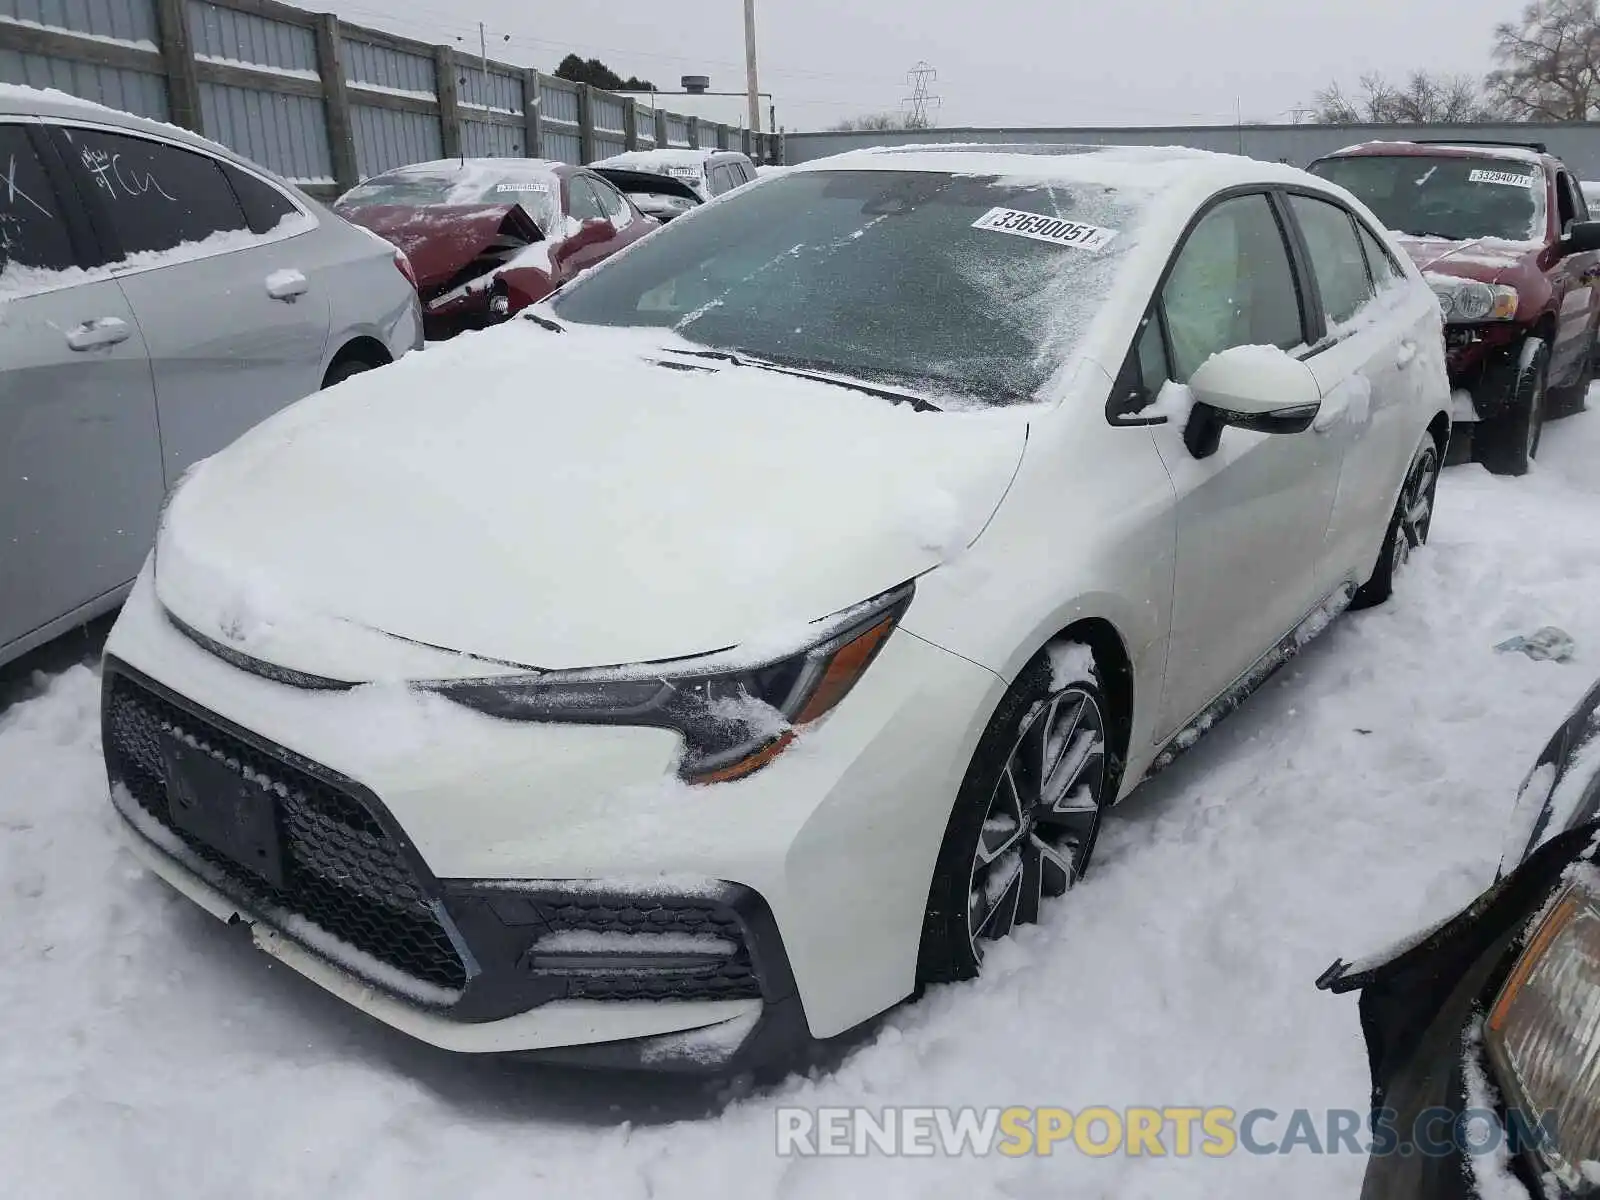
(1070, 663)
(1358, 797)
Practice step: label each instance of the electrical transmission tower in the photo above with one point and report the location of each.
(920, 105)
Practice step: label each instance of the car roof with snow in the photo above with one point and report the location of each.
(1144, 168)
(1529, 153)
(644, 160)
(485, 168)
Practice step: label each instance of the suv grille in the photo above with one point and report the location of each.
(342, 871)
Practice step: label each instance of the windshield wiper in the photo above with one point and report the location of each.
(544, 322)
(918, 403)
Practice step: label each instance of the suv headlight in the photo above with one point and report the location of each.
(737, 710)
(1468, 300)
(1543, 1033)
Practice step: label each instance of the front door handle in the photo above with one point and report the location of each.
(100, 332)
(287, 286)
(1407, 354)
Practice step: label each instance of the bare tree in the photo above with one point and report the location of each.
(1422, 99)
(874, 122)
(1549, 62)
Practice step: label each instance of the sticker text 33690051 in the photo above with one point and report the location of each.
(1058, 231)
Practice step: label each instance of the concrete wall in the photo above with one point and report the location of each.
(1577, 143)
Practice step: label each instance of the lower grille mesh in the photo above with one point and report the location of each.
(343, 872)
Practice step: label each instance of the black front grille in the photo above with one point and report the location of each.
(343, 872)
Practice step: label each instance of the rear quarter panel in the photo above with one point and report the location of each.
(368, 295)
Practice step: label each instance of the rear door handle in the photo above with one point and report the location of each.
(102, 331)
(287, 286)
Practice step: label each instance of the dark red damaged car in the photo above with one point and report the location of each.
(1503, 233)
(490, 236)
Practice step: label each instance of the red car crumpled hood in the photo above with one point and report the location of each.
(441, 239)
(1487, 260)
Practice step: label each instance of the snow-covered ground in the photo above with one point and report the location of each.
(149, 1053)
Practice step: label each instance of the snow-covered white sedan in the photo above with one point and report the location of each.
(750, 634)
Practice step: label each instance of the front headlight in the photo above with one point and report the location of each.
(1543, 1033)
(737, 710)
(1468, 300)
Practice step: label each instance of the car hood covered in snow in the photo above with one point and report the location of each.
(1487, 260)
(562, 500)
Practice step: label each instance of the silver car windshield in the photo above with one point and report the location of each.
(959, 286)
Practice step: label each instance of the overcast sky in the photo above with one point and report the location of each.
(999, 62)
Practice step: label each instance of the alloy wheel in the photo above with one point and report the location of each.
(1416, 505)
(1043, 815)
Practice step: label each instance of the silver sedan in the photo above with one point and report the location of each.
(158, 296)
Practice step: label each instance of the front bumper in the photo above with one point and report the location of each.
(1481, 361)
(1420, 1015)
(428, 849)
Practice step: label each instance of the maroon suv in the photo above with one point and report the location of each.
(1503, 235)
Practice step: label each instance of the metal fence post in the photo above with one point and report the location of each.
(630, 124)
(336, 102)
(663, 138)
(177, 56)
(532, 115)
(586, 146)
(694, 132)
(446, 87)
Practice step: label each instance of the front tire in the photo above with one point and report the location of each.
(1508, 444)
(1408, 525)
(1026, 817)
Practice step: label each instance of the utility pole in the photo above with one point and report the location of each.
(752, 85)
(483, 59)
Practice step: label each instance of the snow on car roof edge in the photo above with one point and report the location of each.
(1152, 168)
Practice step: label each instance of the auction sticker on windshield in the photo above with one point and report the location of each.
(1507, 178)
(1055, 230)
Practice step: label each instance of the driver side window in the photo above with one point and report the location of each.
(1232, 285)
(585, 205)
(611, 201)
(1569, 202)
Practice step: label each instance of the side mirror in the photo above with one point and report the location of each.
(1582, 236)
(1259, 388)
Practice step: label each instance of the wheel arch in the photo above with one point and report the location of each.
(361, 348)
(1439, 430)
(1114, 672)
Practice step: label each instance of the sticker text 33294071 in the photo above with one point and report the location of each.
(1503, 178)
(1058, 231)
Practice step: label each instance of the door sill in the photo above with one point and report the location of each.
(1313, 623)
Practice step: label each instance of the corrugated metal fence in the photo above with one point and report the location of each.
(321, 102)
